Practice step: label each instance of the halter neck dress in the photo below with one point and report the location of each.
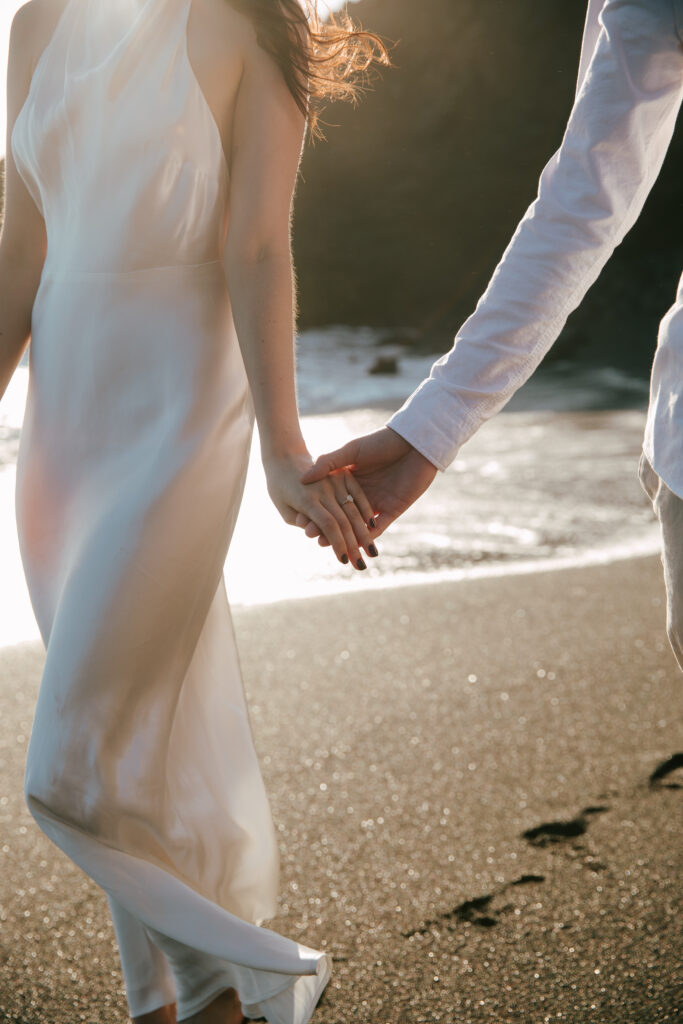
(141, 764)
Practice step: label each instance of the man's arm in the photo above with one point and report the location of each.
(629, 91)
(590, 195)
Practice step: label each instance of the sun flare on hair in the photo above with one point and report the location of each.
(8, 9)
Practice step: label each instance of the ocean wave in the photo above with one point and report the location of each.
(533, 491)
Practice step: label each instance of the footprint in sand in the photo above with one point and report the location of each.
(663, 770)
(560, 831)
(478, 911)
(566, 834)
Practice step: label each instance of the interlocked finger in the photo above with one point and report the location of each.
(349, 482)
(348, 491)
(330, 527)
(333, 506)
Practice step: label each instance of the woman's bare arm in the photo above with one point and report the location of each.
(23, 242)
(268, 132)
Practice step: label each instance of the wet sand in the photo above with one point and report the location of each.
(476, 793)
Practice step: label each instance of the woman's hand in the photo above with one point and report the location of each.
(343, 523)
(391, 472)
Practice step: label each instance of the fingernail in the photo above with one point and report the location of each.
(373, 524)
(345, 559)
(361, 564)
(373, 550)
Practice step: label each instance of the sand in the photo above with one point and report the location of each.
(478, 811)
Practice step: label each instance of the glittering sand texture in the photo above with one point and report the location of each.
(477, 796)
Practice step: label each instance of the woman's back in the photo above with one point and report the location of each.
(117, 142)
(132, 461)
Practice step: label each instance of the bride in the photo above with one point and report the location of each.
(153, 148)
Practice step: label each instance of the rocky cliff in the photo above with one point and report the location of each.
(404, 211)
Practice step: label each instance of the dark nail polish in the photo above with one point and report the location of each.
(345, 559)
(373, 550)
(373, 524)
(361, 564)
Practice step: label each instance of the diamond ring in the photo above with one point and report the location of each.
(349, 497)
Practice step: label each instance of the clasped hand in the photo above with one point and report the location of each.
(335, 505)
(381, 471)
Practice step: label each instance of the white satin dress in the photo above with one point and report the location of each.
(141, 764)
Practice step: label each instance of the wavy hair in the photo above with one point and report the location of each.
(319, 60)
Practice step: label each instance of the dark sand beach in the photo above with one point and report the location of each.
(473, 786)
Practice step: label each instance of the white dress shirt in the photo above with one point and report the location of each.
(629, 90)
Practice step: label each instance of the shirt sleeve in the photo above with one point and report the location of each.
(590, 194)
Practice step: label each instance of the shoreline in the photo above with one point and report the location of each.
(643, 547)
(640, 548)
(530, 493)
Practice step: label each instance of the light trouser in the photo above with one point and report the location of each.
(669, 509)
(193, 978)
(155, 978)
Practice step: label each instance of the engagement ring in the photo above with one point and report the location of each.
(349, 497)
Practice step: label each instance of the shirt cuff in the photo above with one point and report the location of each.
(434, 421)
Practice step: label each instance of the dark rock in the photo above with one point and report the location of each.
(386, 365)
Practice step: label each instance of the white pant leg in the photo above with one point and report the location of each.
(199, 977)
(191, 978)
(153, 978)
(669, 509)
(146, 972)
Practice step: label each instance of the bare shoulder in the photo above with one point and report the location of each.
(220, 39)
(220, 30)
(32, 27)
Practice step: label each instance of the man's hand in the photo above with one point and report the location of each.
(390, 471)
(341, 524)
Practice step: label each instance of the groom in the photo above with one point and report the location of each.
(629, 90)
